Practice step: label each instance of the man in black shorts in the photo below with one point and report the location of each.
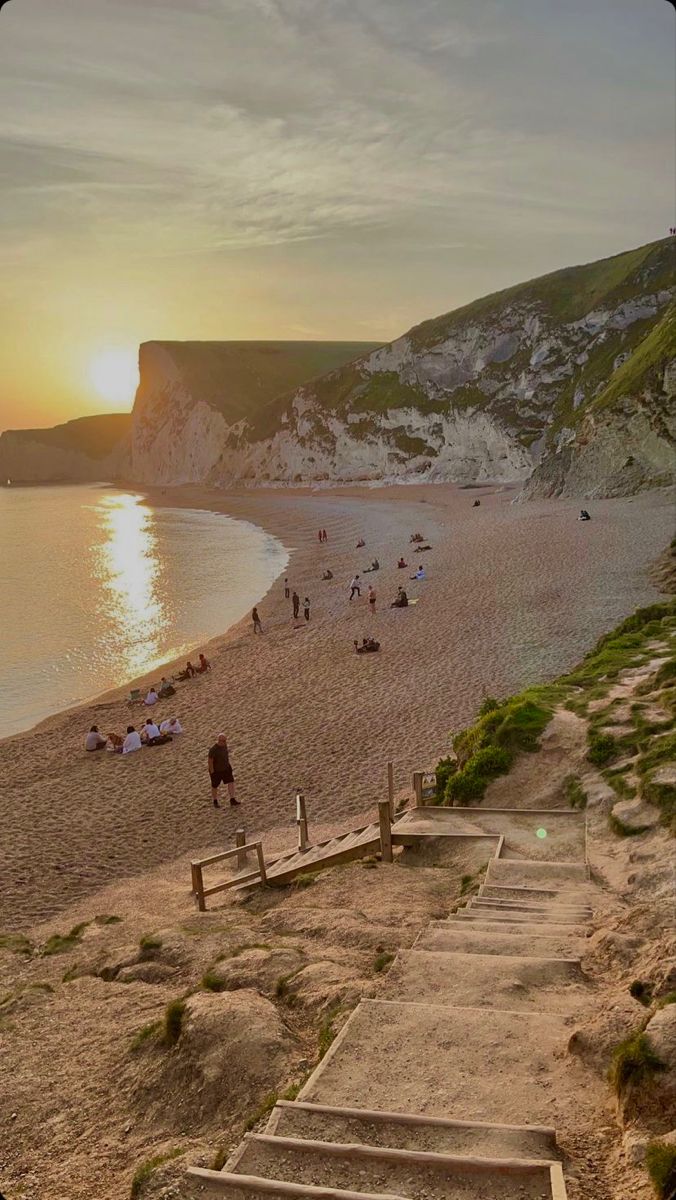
(220, 770)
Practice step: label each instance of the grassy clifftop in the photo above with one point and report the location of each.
(95, 437)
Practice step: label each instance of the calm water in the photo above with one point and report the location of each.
(96, 586)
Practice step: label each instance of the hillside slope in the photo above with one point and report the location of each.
(89, 448)
(483, 393)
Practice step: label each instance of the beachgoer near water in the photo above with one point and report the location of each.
(287, 592)
(355, 587)
(132, 741)
(204, 665)
(190, 670)
(295, 600)
(306, 609)
(152, 696)
(319, 535)
(94, 740)
(325, 536)
(372, 598)
(402, 563)
(166, 688)
(220, 770)
(257, 627)
(172, 726)
(401, 600)
(420, 573)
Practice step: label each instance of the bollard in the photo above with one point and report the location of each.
(417, 789)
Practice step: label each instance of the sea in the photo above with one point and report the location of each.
(98, 586)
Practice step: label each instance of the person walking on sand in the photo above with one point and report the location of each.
(295, 600)
(220, 770)
(287, 592)
(325, 536)
(306, 609)
(372, 599)
(258, 628)
(355, 587)
(319, 535)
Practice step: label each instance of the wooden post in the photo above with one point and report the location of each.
(385, 822)
(261, 863)
(390, 788)
(301, 822)
(417, 789)
(198, 886)
(240, 840)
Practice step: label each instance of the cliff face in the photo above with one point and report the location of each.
(519, 380)
(85, 450)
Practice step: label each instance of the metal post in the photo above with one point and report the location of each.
(240, 840)
(385, 822)
(301, 822)
(417, 789)
(390, 787)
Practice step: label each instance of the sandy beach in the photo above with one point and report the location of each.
(515, 594)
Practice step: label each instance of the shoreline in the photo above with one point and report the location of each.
(515, 595)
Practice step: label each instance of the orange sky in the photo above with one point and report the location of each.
(290, 168)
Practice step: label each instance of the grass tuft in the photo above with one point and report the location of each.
(327, 1033)
(266, 1105)
(173, 1022)
(660, 1160)
(149, 944)
(382, 961)
(641, 991)
(107, 920)
(59, 943)
(147, 1033)
(146, 1169)
(574, 792)
(488, 748)
(18, 943)
(634, 1063)
(603, 748)
(213, 982)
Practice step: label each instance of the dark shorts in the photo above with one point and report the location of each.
(218, 777)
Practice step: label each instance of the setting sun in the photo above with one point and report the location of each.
(114, 374)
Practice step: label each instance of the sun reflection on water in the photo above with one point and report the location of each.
(130, 571)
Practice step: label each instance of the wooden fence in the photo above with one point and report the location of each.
(240, 851)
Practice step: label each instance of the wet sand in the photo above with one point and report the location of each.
(515, 594)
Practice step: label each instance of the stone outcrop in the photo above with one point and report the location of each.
(570, 374)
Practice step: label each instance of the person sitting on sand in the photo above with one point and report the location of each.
(416, 537)
(375, 566)
(421, 548)
(360, 544)
(149, 731)
(368, 646)
(327, 575)
(203, 665)
(402, 563)
(401, 600)
(476, 504)
(132, 741)
(584, 515)
(94, 740)
(420, 573)
(152, 696)
(166, 688)
(172, 726)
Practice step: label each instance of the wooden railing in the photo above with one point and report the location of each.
(196, 869)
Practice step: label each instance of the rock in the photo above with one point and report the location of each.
(634, 1145)
(322, 984)
(636, 815)
(145, 972)
(653, 1101)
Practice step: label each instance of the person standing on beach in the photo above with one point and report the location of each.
(325, 536)
(220, 770)
(319, 535)
(355, 587)
(372, 598)
(306, 609)
(287, 593)
(258, 628)
(295, 600)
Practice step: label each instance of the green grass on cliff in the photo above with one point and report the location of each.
(646, 365)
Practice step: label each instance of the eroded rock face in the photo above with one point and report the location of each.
(484, 394)
(654, 1101)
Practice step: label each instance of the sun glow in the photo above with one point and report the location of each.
(114, 374)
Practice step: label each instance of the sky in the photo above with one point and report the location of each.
(198, 169)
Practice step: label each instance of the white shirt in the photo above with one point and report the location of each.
(355, 582)
(131, 742)
(93, 740)
(172, 725)
(151, 730)
(151, 698)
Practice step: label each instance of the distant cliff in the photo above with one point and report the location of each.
(562, 381)
(87, 449)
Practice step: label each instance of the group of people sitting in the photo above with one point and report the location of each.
(190, 671)
(150, 734)
(416, 537)
(368, 646)
(584, 515)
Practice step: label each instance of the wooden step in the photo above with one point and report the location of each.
(410, 1131)
(420, 1175)
(467, 938)
(246, 1187)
